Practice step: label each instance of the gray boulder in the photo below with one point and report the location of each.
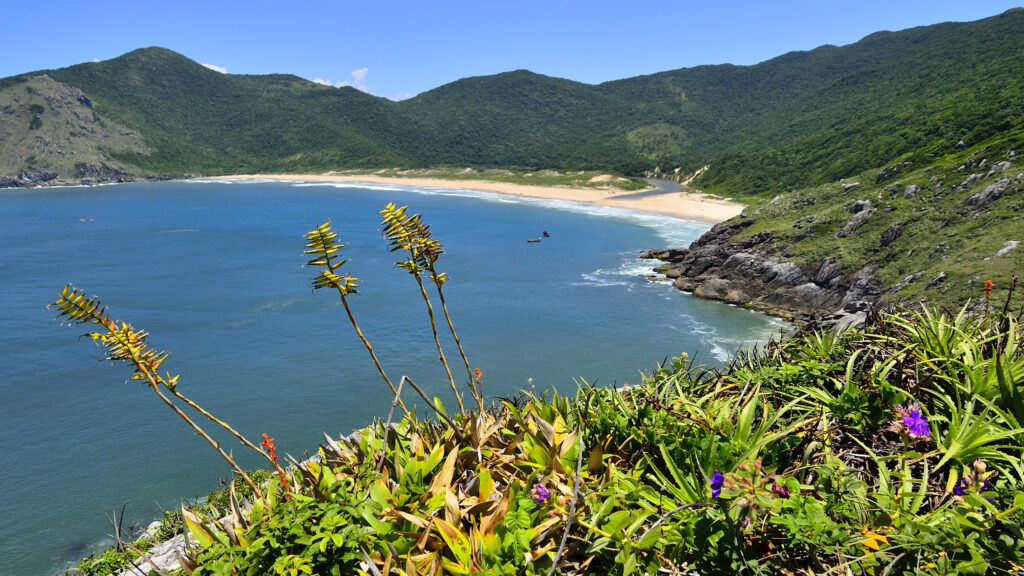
(860, 206)
(853, 224)
(967, 182)
(827, 272)
(936, 281)
(988, 193)
(1009, 245)
(891, 234)
(998, 167)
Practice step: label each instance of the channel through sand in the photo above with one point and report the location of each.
(686, 205)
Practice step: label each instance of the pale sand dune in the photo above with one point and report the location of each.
(676, 204)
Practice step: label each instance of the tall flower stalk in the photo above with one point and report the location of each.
(123, 343)
(322, 243)
(409, 233)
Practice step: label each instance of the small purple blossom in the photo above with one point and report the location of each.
(780, 489)
(910, 422)
(976, 481)
(540, 493)
(717, 479)
(916, 424)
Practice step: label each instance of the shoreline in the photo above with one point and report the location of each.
(683, 205)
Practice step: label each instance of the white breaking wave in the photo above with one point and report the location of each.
(627, 274)
(342, 185)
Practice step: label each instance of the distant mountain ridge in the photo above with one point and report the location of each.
(800, 119)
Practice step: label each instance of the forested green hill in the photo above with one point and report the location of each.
(798, 120)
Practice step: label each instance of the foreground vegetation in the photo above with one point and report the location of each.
(895, 449)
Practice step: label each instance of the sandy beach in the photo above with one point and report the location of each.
(676, 204)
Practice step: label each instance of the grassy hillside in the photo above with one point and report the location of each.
(930, 228)
(202, 122)
(46, 126)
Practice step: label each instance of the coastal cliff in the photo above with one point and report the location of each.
(749, 273)
(51, 134)
(932, 226)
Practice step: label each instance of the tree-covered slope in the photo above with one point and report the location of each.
(800, 119)
(201, 121)
(807, 118)
(522, 119)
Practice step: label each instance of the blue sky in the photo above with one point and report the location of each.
(400, 48)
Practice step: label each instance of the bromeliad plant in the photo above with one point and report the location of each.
(124, 343)
(408, 233)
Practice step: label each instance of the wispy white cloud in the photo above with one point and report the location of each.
(358, 80)
(95, 59)
(216, 68)
(400, 96)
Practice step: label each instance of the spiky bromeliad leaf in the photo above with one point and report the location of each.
(323, 241)
(72, 307)
(347, 284)
(121, 341)
(324, 245)
(409, 232)
(394, 227)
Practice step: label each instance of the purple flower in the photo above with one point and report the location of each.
(976, 481)
(916, 424)
(781, 490)
(540, 493)
(717, 479)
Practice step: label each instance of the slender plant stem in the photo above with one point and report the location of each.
(222, 424)
(443, 416)
(572, 507)
(387, 424)
(155, 384)
(373, 355)
(437, 341)
(458, 343)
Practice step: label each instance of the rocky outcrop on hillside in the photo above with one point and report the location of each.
(825, 254)
(52, 134)
(749, 273)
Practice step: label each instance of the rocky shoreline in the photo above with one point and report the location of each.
(748, 273)
(42, 178)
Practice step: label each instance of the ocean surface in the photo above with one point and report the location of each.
(213, 270)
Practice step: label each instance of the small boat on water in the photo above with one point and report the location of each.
(533, 239)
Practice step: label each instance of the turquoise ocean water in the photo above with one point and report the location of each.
(213, 270)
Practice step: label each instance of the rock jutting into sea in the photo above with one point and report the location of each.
(748, 273)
